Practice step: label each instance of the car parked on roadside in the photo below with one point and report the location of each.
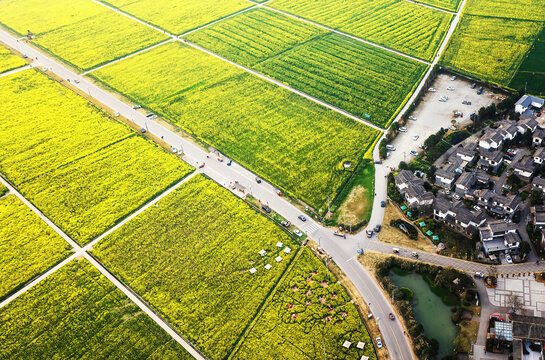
(258, 180)
(298, 233)
(476, 208)
(508, 259)
(402, 129)
(391, 147)
(416, 137)
(414, 153)
(379, 343)
(285, 223)
(480, 91)
(377, 228)
(266, 208)
(383, 203)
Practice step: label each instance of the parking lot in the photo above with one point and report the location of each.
(432, 114)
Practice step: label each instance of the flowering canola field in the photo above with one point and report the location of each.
(77, 313)
(80, 32)
(8, 61)
(84, 170)
(283, 137)
(190, 257)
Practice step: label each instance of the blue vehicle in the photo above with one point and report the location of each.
(383, 203)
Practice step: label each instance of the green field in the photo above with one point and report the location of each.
(283, 137)
(190, 257)
(76, 313)
(490, 48)
(28, 246)
(3, 190)
(9, 61)
(346, 73)
(178, 17)
(83, 169)
(451, 5)
(80, 32)
(307, 314)
(531, 73)
(519, 9)
(413, 29)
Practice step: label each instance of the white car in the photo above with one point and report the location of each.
(453, 78)
(391, 147)
(379, 343)
(412, 118)
(450, 88)
(414, 153)
(403, 129)
(452, 127)
(297, 232)
(432, 90)
(456, 196)
(477, 208)
(508, 259)
(416, 137)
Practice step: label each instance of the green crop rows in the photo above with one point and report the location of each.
(285, 138)
(346, 73)
(76, 313)
(190, 259)
(84, 170)
(451, 5)
(413, 29)
(80, 32)
(309, 313)
(519, 9)
(27, 247)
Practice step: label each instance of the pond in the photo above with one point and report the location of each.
(429, 310)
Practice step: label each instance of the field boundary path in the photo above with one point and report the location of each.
(83, 252)
(430, 7)
(9, 72)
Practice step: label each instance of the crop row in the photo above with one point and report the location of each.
(179, 16)
(400, 25)
(8, 61)
(190, 258)
(490, 48)
(451, 5)
(80, 32)
(84, 170)
(349, 74)
(285, 138)
(28, 245)
(309, 314)
(77, 313)
(520, 9)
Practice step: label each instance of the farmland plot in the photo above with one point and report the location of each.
(201, 241)
(490, 48)
(9, 61)
(451, 5)
(27, 245)
(81, 168)
(308, 311)
(179, 16)
(531, 72)
(3, 190)
(413, 29)
(349, 74)
(76, 313)
(520, 9)
(81, 32)
(285, 138)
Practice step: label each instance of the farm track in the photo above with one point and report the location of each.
(9, 72)
(83, 252)
(431, 7)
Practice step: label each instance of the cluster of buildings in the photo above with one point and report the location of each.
(469, 201)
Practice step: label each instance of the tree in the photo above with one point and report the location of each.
(382, 151)
(536, 197)
(514, 181)
(524, 249)
(514, 303)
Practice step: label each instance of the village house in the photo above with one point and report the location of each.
(508, 129)
(412, 189)
(465, 182)
(457, 216)
(538, 184)
(525, 169)
(466, 152)
(527, 104)
(527, 123)
(538, 216)
(496, 204)
(538, 137)
(498, 236)
(539, 155)
(490, 160)
(491, 140)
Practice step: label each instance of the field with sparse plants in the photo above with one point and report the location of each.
(80, 32)
(531, 73)
(83, 169)
(289, 140)
(9, 61)
(410, 28)
(309, 313)
(451, 5)
(28, 246)
(179, 16)
(346, 73)
(77, 313)
(201, 242)
(519, 9)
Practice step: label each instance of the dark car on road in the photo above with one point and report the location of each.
(377, 228)
(258, 180)
(302, 218)
(383, 203)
